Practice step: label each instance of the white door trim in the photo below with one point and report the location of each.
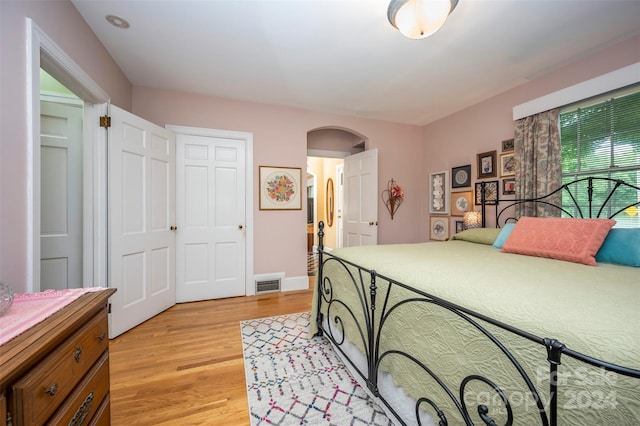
(340, 201)
(247, 137)
(43, 52)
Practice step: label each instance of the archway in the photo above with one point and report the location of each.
(326, 149)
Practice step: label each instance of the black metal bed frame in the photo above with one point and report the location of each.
(572, 189)
(378, 308)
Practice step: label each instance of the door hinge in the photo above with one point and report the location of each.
(109, 308)
(105, 121)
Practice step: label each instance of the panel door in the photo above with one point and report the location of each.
(60, 196)
(141, 212)
(210, 216)
(360, 221)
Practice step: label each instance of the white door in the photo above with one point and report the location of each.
(141, 212)
(60, 196)
(210, 212)
(360, 199)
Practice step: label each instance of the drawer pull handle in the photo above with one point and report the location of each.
(52, 389)
(83, 411)
(101, 336)
(77, 354)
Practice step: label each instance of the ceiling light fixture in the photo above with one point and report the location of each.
(418, 19)
(117, 21)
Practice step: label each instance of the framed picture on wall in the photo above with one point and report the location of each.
(509, 186)
(507, 145)
(439, 193)
(280, 188)
(487, 165)
(507, 164)
(490, 192)
(461, 176)
(439, 229)
(461, 202)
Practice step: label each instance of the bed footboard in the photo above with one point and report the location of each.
(512, 390)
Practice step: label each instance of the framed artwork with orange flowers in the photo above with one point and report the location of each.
(280, 188)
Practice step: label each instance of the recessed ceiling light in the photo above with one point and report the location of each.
(117, 21)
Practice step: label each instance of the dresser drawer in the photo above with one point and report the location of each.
(85, 400)
(41, 391)
(103, 415)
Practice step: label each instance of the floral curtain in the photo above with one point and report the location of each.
(538, 161)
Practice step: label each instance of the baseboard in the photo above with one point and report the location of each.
(295, 283)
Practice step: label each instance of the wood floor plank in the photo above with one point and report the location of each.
(185, 365)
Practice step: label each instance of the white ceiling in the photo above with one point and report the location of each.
(343, 56)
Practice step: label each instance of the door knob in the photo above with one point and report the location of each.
(173, 228)
(240, 226)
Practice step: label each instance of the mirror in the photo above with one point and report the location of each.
(330, 202)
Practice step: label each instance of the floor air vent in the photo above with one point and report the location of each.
(267, 286)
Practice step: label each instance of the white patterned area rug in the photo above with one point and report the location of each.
(293, 380)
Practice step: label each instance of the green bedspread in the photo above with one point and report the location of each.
(592, 310)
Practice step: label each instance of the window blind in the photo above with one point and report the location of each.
(601, 138)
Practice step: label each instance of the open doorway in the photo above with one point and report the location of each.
(322, 205)
(326, 150)
(44, 54)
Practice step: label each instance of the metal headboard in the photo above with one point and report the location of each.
(581, 194)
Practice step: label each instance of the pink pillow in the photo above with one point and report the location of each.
(573, 240)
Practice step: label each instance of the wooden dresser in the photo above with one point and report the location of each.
(57, 372)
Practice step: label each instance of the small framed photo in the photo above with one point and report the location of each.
(461, 176)
(461, 202)
(507, 164)
(509, 186)
(280, 188)
(487, 165)
(490, 192)
(459, 226)
(439, 192)
(507, 145)
(439, 229)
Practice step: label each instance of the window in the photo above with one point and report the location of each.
(602, 138)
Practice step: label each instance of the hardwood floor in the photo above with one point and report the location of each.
(185, 366)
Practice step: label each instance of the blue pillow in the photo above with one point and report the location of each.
(503, 235)
(621, 247)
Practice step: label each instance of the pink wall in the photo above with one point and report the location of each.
(406, 153)
(455, 140)
(62, 23)
(280, 138)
